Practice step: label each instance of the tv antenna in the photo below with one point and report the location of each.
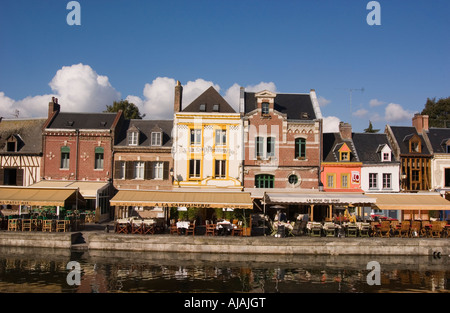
(351, 93)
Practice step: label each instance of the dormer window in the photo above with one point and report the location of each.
(414, 146)
(156, 139)
(216, 108)
(265, 108)
(386, 157)
(345, 156)
(202, 107)
(11, 146)
(133, 138)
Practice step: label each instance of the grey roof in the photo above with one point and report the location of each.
(209, 98)
(332, 142)
(83, 121)
(293, 105)
(28, 133)
(438, 138)
(368, 146)
(402, 135)
(145, 128)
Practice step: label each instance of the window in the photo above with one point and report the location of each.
(156, 139)
(11, 176)
(414, 145)
(264, 181)
(330, 180)
(293, 179)
(386, 156)
(221, 137)
(196, 136)
(270, 146)
(138, 170)
(259, 147)
(447, 148)
(220, 168)
(373, 180)
(133, 138)
(415, 175)
(11, 146)
(344, 180)
(300, 148)
(216, 108)
(387, 181)
(203, 107)
(265, 108)
(447, 177)
(158, 168)
(345, 156)
(194, 168)
(99, 158)
(65, 157)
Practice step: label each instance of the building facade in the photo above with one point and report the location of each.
(207, 144)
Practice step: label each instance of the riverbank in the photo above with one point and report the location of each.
(94, 237)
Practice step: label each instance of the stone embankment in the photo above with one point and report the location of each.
(100, 240)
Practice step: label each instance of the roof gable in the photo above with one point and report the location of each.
(209, 101)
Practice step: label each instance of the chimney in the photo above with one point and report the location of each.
(242, 100)
(178, 97)
(420, 122)
(346, 130)
(53, 106)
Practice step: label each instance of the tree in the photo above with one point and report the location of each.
(130, 110)
(370, 129)
(438, 112)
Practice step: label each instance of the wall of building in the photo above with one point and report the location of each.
(394, 170)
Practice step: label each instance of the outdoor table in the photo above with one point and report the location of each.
(224, 227)
(183, 226)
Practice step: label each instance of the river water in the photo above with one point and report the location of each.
(32, 270)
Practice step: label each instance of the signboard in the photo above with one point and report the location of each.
(356, 177)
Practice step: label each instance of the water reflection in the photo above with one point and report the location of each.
(44, 270)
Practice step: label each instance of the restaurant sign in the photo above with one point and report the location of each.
(323, 200)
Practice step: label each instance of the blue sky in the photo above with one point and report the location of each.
(137, 50)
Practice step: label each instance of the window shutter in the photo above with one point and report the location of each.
(117, 170)
(148, 170)
(166, 170)
(129, 168)
(19, 177)
(2, 176)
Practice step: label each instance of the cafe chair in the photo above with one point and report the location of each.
(149, 227)
(191, 229)
(26, 225)
(211, 229)
(47, 225)
(173, 228)
(122, 226)
(13, 224)
(404, 230)
(237, 229)
(137, 227)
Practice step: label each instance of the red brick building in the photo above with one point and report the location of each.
(78, 147)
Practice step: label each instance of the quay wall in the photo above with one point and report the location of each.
(260, 245)
(271, 245)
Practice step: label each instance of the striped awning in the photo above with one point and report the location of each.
(206, 199)
(410, 201)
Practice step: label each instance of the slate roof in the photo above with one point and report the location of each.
(402, 135)
(368, 146)
(332, 142)
(145, 128)
(209, 98)
(438, 138)
(83, 121)
(27, 131)
(293, 105)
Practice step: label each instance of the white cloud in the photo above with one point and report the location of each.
(322, 101)
(331, 124)
(375, 103)
(78, 89)
(360, 113)
(395, 113)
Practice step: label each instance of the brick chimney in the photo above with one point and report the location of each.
(420, 122)
(53, 106)
(346, 130)
(178, 97)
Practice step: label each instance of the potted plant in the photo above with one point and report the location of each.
(245, 218)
